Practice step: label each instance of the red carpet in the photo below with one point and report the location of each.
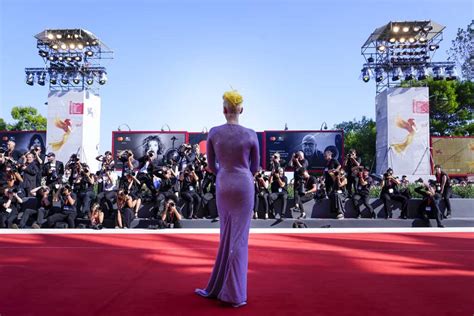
(304, 274)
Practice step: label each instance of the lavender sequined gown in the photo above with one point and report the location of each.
(235, 148)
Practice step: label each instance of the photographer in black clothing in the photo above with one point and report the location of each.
(165, 190)
(209, 194)
(29, 173)
(131, 185)
(11, 199)
(84, 190)
(125, 206)
(12, 153)
(338, 193)
(129, 163)
(362, 193)
(276, 163)
(351, 165)
(332, 166)
(430, 202)
(53, 170)
(305, 190)
(279, 191)
(107, 194)
(171, 215)
(68, 210)
(43, 204)
(390, 192)
(189, 186)
(443, 187)
(261, 193)
(297, 162)
(147, 166)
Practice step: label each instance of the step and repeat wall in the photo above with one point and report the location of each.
(454, 154)
(165, 144)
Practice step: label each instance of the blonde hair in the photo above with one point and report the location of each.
(233, 99)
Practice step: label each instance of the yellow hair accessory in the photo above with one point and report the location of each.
(233, 98)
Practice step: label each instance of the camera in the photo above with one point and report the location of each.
(171, 204)
(150, 153)
(125, 155)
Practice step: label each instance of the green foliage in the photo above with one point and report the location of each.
(451, 106)
(361, 136)
(466, 192)
(27, 119)
(462, 51)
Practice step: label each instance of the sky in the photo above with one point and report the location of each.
(295, 62)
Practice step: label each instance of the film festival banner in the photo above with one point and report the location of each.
(201, 139)
(312, 143)
(74, 125)
(454, 154)
(24, 140)
(164, 144)
(403, 131)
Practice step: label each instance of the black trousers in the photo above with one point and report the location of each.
(40, 219)
(274, 197)
(351, 184)
(7, 219)
(446, 195)
(68, 217)
(84, 200)
(337, 202)
(362, 199)
(301, 199)
(193, 201)
(264, 197)
(434, 211)
(127, 216)
(160, 201)
(148, 180)
(108, 199)
(387, 199)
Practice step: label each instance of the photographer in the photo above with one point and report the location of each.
(68, 211)
(276, 163)
(362, 193)
(171, 215)
(97, 216)
(107, 161)
(209, 194)
(125, 206)
(430, 202)
(43, 204)
(132, 185)
(147, 165)
(189, 182)
(187, 156)
(84, 189)
(332, 166)
(128, 164)
(11, 153)
(390, 193)
(29, 173)
(351, 167)
(338, 193)
(443, 187)
(279, 191)
(165, 190)
(11, 198)
(261, 193)
(107, 196)
(53, 170)
(305, 190)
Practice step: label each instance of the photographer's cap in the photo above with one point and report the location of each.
(108, 153)
(437, 166)
(50, 154)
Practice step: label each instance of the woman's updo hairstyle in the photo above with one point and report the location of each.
(234, 100)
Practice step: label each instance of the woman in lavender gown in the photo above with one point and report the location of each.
(233, 155)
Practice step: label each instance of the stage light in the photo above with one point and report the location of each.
(78, 58)
(406, 29)
(50, 36)
(41, 78)
(416, 29)
(396, 29)
(55, 46)
(65, 78)
(63, 46)
(89, 53)
(80, 46)
(59, 36)
(94, 43)
(402, 40)
(451, 73)
(90, 79)
(438, 73)
(76, 35)
(381, 48)
(77, 78)
(392, 40)
(60, 58)
(365, 74)
(52, 58)
(370, 59)
(421, 73)
(396, 74)
(427, 28)
(53, 78)
(30, 79)
(434, 47)
(69, 58)
(411, 39)
(422, 39)
(43, 53)
(102, 78)
(378, 75)
(72, 46)
(408, 72)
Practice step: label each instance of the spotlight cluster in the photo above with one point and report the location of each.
(72, 60)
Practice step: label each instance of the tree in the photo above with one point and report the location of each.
(451, 106)
(361, 136)
(462, 51)
(27, 119)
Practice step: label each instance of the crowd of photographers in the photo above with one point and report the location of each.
(39, 191)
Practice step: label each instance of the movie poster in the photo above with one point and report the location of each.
(163, 144)
(312, 143)
(24, 140)
(454, 154)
